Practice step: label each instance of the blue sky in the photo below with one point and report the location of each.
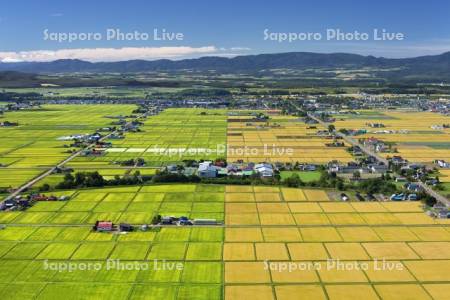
(219, 27)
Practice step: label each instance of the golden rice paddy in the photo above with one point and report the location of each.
(281, 139)
(412, 133)
(305, 228)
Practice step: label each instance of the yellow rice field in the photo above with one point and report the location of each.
(390, 250)
(412, 131)
(281, 139)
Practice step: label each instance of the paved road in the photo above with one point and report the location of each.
(353, 142)
(221, 225)
(113, 167)
(434, 194)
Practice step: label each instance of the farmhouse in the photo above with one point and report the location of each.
(172, 169)
(377, 168)
(237, 169)
(107, 129)
(414, 187)
(119, 122)
(440, 211)
(207, 170)
(357, 151)
(93, 152)
(116, 136)
(443, 214)
(8, 124)
(307, 167)
(39, 197)
(62, 169)
(349, 168)
(440, 126)
(166, 220)
(442, 163)
(310, 121)
(103, 226)
(398, 160)
(375, 144)
(9, 204)
(103, 145)
(354, 132)
(264, 170)
(126, 227)
(335, 144)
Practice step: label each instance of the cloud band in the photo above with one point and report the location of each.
(108, 54)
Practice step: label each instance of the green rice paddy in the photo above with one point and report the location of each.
(32, 147)
(172, 136)
(52, 232)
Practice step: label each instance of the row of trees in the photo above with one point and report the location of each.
(94, 179)
(382, 185)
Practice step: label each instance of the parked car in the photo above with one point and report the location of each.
(413, 197)
(360, 197)
(398, 197)
(344, 197)
(370, 197)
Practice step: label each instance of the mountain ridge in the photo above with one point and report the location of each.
(438, 65)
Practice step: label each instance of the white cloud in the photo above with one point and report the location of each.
(240, 49)
(108, 54)
(10, 60)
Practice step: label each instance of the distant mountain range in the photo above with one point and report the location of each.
(433, 66)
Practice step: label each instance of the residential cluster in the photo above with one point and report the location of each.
(158, 221)
(23, 202)
(209, 169)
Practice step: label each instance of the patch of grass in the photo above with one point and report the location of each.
(304, 176)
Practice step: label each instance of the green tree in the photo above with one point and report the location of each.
(293, 181)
